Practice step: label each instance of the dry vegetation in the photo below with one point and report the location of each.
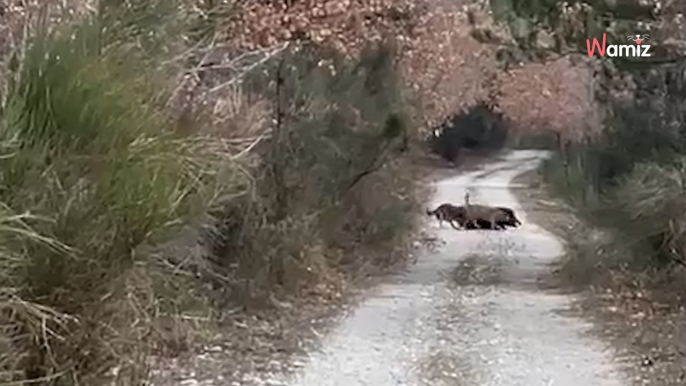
(625, 183)
(166, 162)
(283, 135)
(628, 175)
(619, 125)
(555, 96)
(641, 312)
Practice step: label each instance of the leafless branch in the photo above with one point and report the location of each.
(252, 145)
(250, 68)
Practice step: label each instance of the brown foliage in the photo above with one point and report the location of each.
(342, 24)
(444, 67)
(549, 96)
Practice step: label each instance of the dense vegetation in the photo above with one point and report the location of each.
(628, 175)
(283, 137)
(109, 172)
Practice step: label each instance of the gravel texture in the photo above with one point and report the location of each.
(475, 311)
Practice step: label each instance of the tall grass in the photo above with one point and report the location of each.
(90, 170)
(652, 197)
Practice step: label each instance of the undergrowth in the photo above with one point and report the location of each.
(332, 180)
(90, 170)
(629, 180)
(102, 196)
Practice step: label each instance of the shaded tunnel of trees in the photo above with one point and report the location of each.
(478, 129)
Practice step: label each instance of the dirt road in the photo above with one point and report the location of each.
(470, 313)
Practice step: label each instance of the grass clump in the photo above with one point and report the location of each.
(90, 170)
(653, 197)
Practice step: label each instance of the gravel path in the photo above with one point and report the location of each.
(471, 313)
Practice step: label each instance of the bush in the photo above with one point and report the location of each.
(90, 170)
(652, 197)
(641, 230)
(330, 180)
(628, 177)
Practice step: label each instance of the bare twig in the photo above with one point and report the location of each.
(182, 83)
(251, 146)
(250, 68)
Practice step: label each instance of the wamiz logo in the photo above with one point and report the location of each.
(637, 50)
